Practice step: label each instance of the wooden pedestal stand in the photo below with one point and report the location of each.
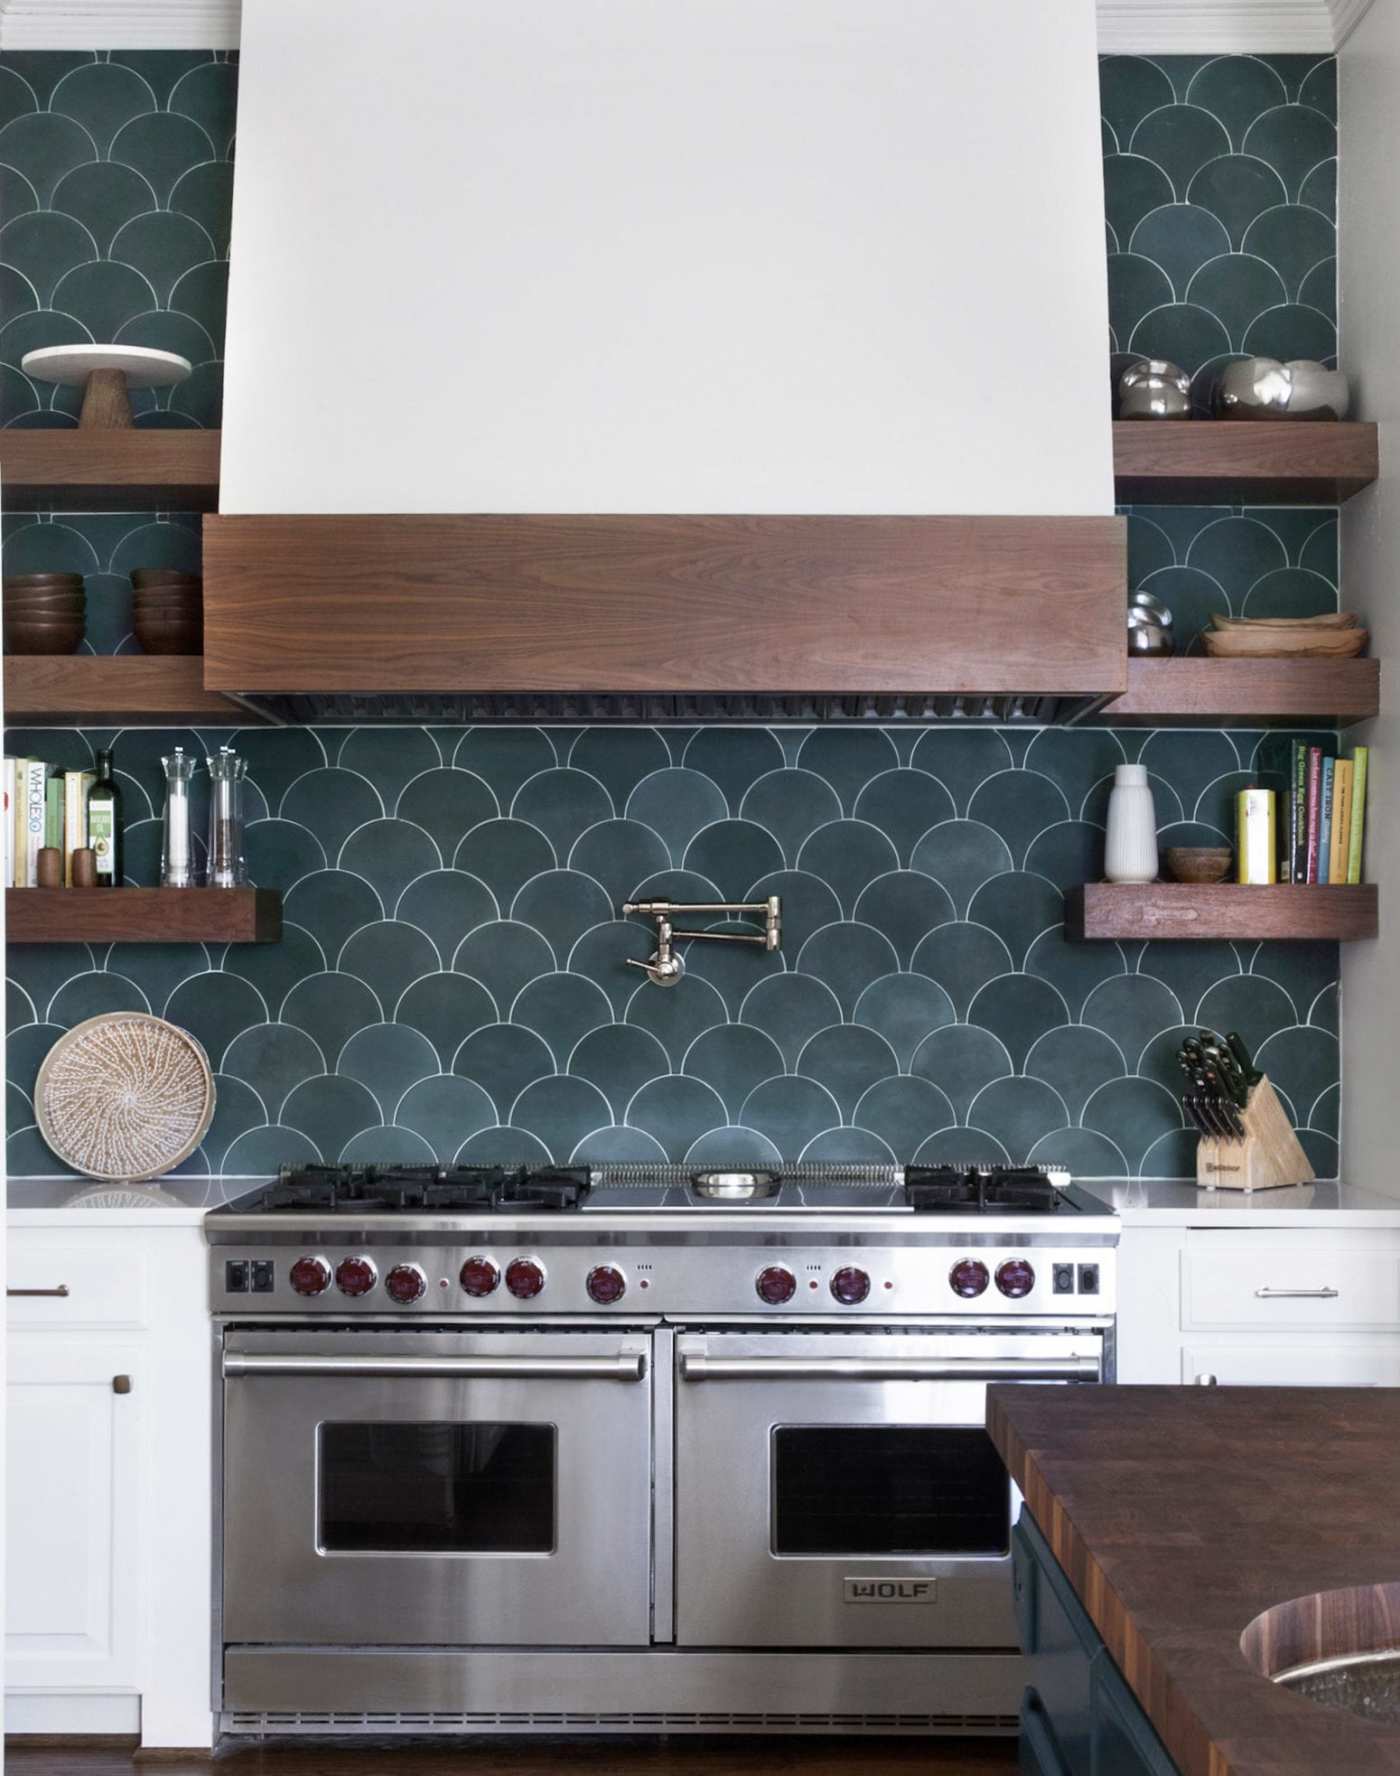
(1269, 1155)
(106, 374)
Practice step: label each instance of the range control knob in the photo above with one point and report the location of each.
(969, 1277)
(850, 1284)
(524, 1278)
(1015, 1278)
(606, 1283)
(405, 1283)
(310, 1276)
(775, 1284)
(479, 1276)
(356, 1276)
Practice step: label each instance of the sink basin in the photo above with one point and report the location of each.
(1364, 1684)
(1338, 1649)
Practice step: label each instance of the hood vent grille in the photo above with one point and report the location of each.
(366, 709)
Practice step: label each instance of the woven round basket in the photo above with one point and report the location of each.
(124, 1096)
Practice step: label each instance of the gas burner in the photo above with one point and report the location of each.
(544, 1187)
(980, 1190)
(404, 1189)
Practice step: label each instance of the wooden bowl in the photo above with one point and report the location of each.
(1276, 643)
(169, 638)
(1199, 863)
(34, 604)
(172, 602)
(43, 582)
(1327, 620)
(48, 638)
(164, 576)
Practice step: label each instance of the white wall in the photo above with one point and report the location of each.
(668, 255)
(1370, 350)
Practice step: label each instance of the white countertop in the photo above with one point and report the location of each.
(1163, 1204)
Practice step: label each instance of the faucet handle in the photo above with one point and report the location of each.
(662, 971)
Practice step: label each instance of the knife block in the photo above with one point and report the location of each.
(1268, 1157)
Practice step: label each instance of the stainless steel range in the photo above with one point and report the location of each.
(630, 1448)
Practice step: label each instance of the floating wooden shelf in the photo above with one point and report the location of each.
(1256, 693)
(1256, 462)
(114, 690)
(123, 471)
(1156, 911)
(143, 915)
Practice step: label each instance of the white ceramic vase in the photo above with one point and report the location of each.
(1131, 854)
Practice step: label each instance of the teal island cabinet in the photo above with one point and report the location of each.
(1078, 1716)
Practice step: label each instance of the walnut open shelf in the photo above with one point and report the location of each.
(110, 471)
(1197, 690)
(116, 691)
(143, 915)
(1254, 462)
(1158, 911)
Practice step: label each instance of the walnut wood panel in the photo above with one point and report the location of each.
(1181, 1514)
(124, 471)
(1160, 910)
(112, 690)
(664, 604)
(596, 1755)
(143, 915)
(1276, 693)
(1262, 462)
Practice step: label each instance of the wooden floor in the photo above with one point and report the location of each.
(680, 1756)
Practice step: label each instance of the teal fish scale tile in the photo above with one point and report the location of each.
(116, 192)
(438, 992)
(1220, 191)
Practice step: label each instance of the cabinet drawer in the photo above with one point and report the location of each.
(1288, 1282)
(102, 1283)
(1291, 1362)
(1060, 1644)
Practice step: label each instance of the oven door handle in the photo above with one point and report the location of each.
(625, 1366)
(698, 1366)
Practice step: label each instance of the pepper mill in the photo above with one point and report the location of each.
(226, 866)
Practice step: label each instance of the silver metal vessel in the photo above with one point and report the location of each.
(595, 1451)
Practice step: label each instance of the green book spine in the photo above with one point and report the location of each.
(53, 813)
(1360, 757)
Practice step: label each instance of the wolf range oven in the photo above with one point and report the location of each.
(633, 1456)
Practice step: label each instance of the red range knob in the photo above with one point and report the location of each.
(606, 1283)
(405, 1283)
(310, 1276)
(524, 1278)
(1015, 1278)
(850, 1284)
(479, 1276)
(969, 1277)
(356, 1276)
(775, 1284)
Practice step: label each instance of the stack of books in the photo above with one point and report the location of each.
(1324, 834)
(42, 807)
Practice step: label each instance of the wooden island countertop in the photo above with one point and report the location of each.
(1181, 1514)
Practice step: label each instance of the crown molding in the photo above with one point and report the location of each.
(119, 24)
(1191, 27)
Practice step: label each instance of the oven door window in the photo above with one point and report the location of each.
(888, 1489)
(426, 1488)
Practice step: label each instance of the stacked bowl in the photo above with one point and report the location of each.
(168, 610)
(44, 613)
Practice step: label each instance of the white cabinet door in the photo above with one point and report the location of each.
(73, 1452)
(1284, 1362)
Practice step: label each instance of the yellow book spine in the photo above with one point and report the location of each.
(1360, 758)
(1256, 847)
(1341, 823)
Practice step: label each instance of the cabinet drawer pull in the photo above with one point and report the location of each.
(121, 1384)
(1324, 1294)
(62, 1289)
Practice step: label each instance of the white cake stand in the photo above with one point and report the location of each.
(106, 372)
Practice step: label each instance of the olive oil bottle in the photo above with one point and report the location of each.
(104, 823)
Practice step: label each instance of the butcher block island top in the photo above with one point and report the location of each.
(1180, 1515)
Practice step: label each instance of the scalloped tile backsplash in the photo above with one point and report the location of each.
(453, 976)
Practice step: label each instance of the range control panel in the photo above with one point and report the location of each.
(514, 1276)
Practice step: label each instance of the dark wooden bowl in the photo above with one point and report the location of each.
(43, 582)
(170, 638)
(25, 638)
(164, 576)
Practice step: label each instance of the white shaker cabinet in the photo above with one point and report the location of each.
(108, 1476)
(1260, 1306)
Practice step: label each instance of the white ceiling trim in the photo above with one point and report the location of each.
(119, 24)
(1125, 26)
(1223, 27)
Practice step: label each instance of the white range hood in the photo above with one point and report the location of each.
(668, 256)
